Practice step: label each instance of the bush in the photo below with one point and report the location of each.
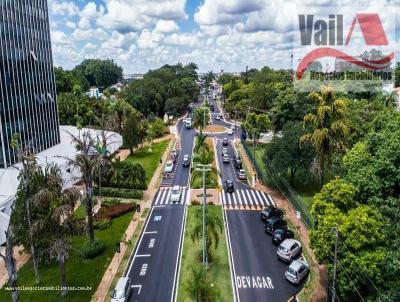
(119, 193)
(102, 224)
(115, 211)
(110, 202)
(89, 251)
(195, 203)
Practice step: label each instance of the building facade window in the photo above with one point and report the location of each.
(28, 104)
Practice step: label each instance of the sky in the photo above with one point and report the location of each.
(215, 34)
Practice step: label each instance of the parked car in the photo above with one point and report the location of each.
(186, 160)
(122, 290)
(230, 132)
(288, 250)
(297, 271)
(176, 194)
(174, 153)
(242, 175)
(269, 212)
(225, 158)
(273, 224)
(280, 235)
(237, 162)
(229, 187)
(169, 166)
(225, 141)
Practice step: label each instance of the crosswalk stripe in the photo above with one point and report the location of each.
(254, 198)
(265, 198)
(260, 199)
(158, 197)
(229, 200)
(220, 198)
(223, 199)
(166, 201)
(182, 201)
(271, 200)
(162, 197)
(250, 201)
(234, 198)
(244, 198)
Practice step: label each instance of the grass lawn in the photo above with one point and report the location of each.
(79, 272)
(196, 181)
(149, 160)
(219, 268)
(80, 212)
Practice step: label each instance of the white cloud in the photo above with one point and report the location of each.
(62, 8)
(181, 40)
(70, 24)
(166, 26)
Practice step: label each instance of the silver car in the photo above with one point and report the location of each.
(176, 194)
(289, 249)
(122, 290)
(297, 271)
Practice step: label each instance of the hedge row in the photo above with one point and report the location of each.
(117, 192)
(114, 211)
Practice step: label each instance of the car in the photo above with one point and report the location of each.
(233, 127)
(297, 271)
(230, 132)
(212, 107)
(288, 250)
(229, 187)
(186, 160)
(122, 290)
(224, 150)
(280, 235)
(217, 117)
(225, 141)
(169, 166)
(176, 194)
(174, 153)
(221, 116)
(270, 212)
(242, 175)
(225, 158)
(273, 224)
(188, 124)
(237, 163)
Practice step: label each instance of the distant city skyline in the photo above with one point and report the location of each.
(215, 34)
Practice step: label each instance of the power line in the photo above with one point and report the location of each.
(352, 283)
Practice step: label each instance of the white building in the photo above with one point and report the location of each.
(56, 154)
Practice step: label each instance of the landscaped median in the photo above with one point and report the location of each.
(216, 281)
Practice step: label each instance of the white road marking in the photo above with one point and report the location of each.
(137, 286)
(258, 282)
(162, 197)
(229, 200)
(151, 232)
(234, 198)
(143, 255)
(272, 201)
(152, 242)
(223, 198)
(244, 197)
(254, 198)
(264, 196)
(143, 270)
(248, 195)
(260, 198)
(166, 201)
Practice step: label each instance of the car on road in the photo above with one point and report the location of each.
(169, 166)
(212, 107)
(242, 174)
(273, 224)
(225, 141)
(176, 194)
(221, 116)
(229, 187)
(224, 150)
(288, 250)
(122, 290)
(237, 162)
(174, 153)
(270, 212)
(217, 117)
(188, 124)
(225, 158)
(297, 271)
(232, 127)
(186, 160)
(230, 132)
(280, 235)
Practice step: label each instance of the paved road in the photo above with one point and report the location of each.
(163, 197)
(154, 269)
(258, 274)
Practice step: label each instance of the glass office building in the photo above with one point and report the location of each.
(28, 105)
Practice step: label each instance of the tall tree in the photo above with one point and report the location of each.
(134, 132)
(326, 127)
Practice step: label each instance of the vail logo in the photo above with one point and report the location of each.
(330, 32)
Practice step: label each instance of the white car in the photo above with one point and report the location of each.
(288, 250)
(176, 194)
(297, 271)
(169, 166)
(233, 127)
(217, 117)
(122, 290)
(230, 132)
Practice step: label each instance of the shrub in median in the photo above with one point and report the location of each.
(89, 251)
(119, 193)
(102, 224)
(115, 211)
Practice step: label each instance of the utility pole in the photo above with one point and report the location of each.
(334, 264)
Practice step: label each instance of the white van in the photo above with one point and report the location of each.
(122, 290)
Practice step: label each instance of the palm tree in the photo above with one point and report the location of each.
(58, 222)
(214, 227)
(200, 142)
(87, 161)
(387, 99)
(326, 127)
(117, 172)
(201, 118)
(200, 287)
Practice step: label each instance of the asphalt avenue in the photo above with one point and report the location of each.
(258, 274)
(154, 267)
